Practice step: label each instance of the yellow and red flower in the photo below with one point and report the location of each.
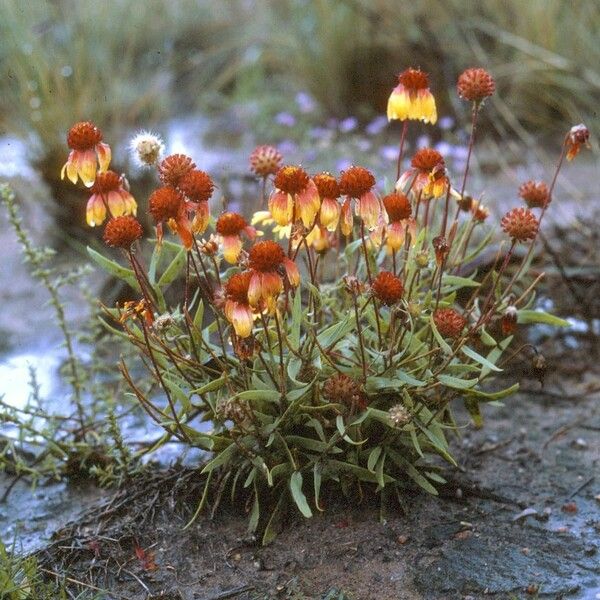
(399, 221)
(108, 192)
(427, 174)
(295, 197)
(237, 308)
(267, 261)
(230, 226)
(198, 187)
(89, 154)
(357, 183)
(168, 205)
(411, 99)
(321, 239)
(329, 191)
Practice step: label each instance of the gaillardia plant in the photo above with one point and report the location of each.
(329, 355)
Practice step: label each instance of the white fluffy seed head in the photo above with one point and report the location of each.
(146, 148)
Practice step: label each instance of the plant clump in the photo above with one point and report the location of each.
(328, 347)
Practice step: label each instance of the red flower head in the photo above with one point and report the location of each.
(397, 206)
(358, 182)
(329, 191)
(85, 141)
(387, 288)
(230, 226)
(520, 224)
(475, 85)
(237, 309)
(449, 323)
(108, 191)
(172, 168)
(411, 99)
(265, 160)
(535, 194)
(122, 232)
(196, 185)
(266, 260)
(578, 136)
(427, 174)
(295, 197)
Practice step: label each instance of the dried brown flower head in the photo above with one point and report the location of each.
(449, 323)
(475, 85)
(342, 389)
(535, 193)
(172, 168)
(399, 416)
(520, 224)
(265, 160)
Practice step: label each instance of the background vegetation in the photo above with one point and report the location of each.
(120, 63)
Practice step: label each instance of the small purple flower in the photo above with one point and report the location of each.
(287, 147)
(286, 119)
(348, 124)
(444, 148)
(460, 152)
(389, 152)
(306, 103)
(343, 164)
(319, 133)
(377, 125)
(422, 141)
(446, 123)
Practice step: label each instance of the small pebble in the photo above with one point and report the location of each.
(402, 539)
(579, 444)
(569, 507)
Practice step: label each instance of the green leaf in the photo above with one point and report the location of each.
(317, 476)
(267, 395)
(473, 408)
(438, 442)
(115, 269)
(360, 472)
(539, 316)
(492, 396)
(328, 337)
(373, 457)
(409, 379)
(459, 282)
(311, 444)
(271, 529)
(211, 386)
(296, 319)
(174, 269)
(220, 459)
(199, 315)
(254, 513)
(298, 494)
(456, 383)
(480, 359)
(413, 473)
